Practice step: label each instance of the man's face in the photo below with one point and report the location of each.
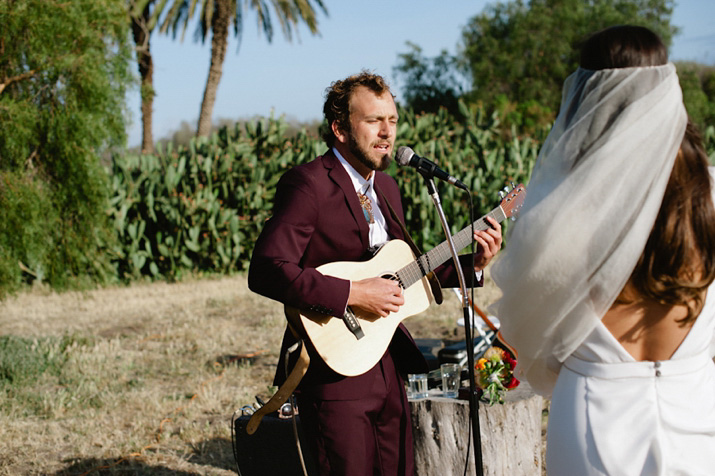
(368, 143)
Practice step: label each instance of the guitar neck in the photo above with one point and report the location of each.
(429, 261)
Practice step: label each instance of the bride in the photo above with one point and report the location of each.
(615, 250)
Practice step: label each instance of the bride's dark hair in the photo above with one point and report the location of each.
(678, 262)
(623, 46)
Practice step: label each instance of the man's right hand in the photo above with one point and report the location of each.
(376, 295)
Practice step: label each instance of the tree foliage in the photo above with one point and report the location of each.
(430, 83)
(698, 84)
(524, 51)
(63, 78)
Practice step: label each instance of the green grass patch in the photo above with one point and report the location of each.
(24, 360)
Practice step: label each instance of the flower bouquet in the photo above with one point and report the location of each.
(495, 374)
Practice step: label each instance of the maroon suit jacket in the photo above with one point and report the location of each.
(317, 219)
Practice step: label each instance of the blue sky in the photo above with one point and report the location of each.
(283, 78)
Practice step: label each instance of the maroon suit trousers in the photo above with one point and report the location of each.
(364, 437)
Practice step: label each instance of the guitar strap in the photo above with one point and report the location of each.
(286, 389)
(431, 278)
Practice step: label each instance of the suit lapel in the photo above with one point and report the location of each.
(340, 177)
(394, 230)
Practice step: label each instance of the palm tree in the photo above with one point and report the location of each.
(217, 15)
(143, 22)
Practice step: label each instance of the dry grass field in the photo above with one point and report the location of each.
(144, 379)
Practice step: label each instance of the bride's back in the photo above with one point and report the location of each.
(648, 330)
(666, 290)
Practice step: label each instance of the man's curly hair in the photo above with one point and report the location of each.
(337, 100)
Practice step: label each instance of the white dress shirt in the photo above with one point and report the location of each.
(378, 229)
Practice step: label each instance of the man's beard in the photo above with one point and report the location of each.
(364, 158)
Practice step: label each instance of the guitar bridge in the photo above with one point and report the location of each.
(352, 324)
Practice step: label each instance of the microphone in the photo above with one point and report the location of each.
(407, 156)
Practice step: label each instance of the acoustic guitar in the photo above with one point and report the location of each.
(354, 344)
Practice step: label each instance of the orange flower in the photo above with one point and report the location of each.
(481, 363)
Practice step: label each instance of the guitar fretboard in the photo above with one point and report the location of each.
(413, 272)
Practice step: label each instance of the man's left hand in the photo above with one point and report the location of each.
(489, 242)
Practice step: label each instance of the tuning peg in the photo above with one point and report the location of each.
(502, 194)
(515, 213)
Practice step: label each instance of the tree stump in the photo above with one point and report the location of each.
(510, 434)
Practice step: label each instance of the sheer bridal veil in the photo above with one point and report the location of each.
(592, 200)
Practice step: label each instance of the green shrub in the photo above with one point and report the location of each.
(201, 208)
(28, 230)
(471, 149)
(66, 71)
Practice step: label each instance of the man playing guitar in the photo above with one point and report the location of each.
(331, 209)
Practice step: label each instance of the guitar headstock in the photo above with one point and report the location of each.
(512, 200)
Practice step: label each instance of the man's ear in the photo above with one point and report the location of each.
(339, 132)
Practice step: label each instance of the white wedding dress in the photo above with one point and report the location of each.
(612, 415)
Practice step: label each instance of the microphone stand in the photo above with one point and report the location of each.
(473, 397)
